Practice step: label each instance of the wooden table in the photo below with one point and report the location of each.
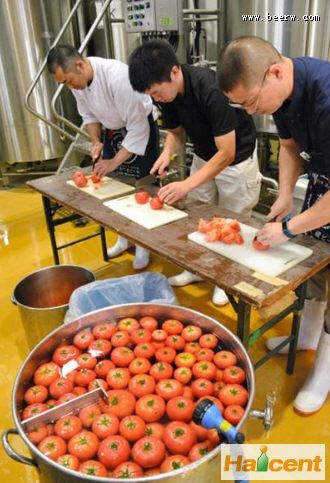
(170, 242)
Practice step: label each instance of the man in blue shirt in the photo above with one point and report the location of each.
(255, 76)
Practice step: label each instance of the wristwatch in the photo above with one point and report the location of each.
(286, 230)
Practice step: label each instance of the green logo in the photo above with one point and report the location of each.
(263, 460)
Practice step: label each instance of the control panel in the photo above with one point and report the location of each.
(152, 15)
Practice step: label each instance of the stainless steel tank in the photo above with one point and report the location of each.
(27, 30)
(291, 37)
(206, 470)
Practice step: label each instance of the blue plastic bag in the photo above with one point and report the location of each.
(150, 287)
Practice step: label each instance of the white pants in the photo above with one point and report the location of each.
(236, 188)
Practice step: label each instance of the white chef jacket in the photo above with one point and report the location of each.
(111, 100)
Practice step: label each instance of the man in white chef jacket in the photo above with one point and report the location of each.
(105, 98)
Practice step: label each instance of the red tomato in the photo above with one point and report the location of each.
(66, 397)
(174, 462)
(86, 361)
(209, 341)
(156, 203)
(229, 239)
(168, 388)
(152, 472)
(79, 390)
(67, 426)
(199, 450)
(200, 431)
(33, 410)
(165, 354)
(129, 324)
(149, 323)
(191, 333)
(96, 383)
(129, 469)
(213, 437)
(192, 347)
(37, 434)
(95, 178)
(179, 438)
(89, 414)
(161, 370)
(172, 326)
(150, 407)
(140, 336)
(36, 394)
(223, 359)
(175, 341)
(60, 386)
(239, 239)
(233, 414)
(141, 384)
(155, 429)
(68, 461)
(185, 359)
(139, 365)
(80, 181)
(204, 369)
(84, 376)
(132, 428)
(202, 387)
(205, 355)
(83, 445)
(65, 353)
(121, 403)
(104, 331)
(105, 425)
(146, 350)
(92, 467)
(103, 367)
(122, 356)
(53, 447)
(218, 385)
(120, 338)
(100, 347)
(148, 452)
(118, 378)
(180, 408)
(142, 197)
(183, 374)
(113, 450)
(233, 375)
(257, 245)
(159, 335)
(82, 339)
(187, 392)
(46, 374)
(235, 225)
(234, 394)
(219, 375)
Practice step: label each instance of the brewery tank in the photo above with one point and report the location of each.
(27, 30)
(291, 37)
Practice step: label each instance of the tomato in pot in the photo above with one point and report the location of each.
(122, 356)
(83, 445)
(129, 469)
(36, 394)
(118, 377)
(172, 326)
(223, 359)
(65, 353)
(161, 370)
(93, 468)
(191, 333)
(68, 461)
(150, 408)
(113, 450)
(141, 385)
(46, 374)
(148, 452)
(183, 374)
(149, 323)
(233, 413)
(129, 324)
(209, 341)
(177, 342)
(155, 429)
(100, 347)
(103, 367)
(60, 386)
(145, 349)
(53, 447)
(233, 394)
(174, 462)
(105, 425)
(132, 428)
(104, 331)
(204, 369)
(139, 336)
(120, 338)
(82, 339)
(185, 359)
(179, 438)
(86, 361)
(139, 365)
(233, 375)
(165, 354)
(120, 402)
(67, 426)
(199, 450)
(169, 388)
(37, 434)
(202, 387)
(180, 408)
(89, 414)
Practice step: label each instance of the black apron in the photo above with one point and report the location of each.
(317, 187)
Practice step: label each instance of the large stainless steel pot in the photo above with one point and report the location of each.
(206, 469)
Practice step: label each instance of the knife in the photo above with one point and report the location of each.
(147, 180)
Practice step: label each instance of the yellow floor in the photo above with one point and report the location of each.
(29, 249)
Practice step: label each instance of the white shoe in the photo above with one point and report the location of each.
(219, 297)
(118, 248)
(316, 388)
(141, 259)
(311, 326)
(183, 278)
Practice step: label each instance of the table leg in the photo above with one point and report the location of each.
(51, 228)
(243, 322)
(299, 305)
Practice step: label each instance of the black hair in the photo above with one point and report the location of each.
(63, 56)
(151, 63)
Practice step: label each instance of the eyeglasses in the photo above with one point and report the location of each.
(252, 105)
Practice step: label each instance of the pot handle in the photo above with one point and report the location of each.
(10, 452)
(267, 414)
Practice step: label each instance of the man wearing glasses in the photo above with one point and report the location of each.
(224, 169)
(296, 92)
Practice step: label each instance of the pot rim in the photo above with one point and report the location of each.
(162, 476)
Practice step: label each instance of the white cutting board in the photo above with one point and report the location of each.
(108, 188)
(272, 262)
(144, 215)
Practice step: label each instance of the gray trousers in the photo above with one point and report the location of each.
(318, 288)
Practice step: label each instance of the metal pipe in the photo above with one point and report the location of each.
(205, 19)
(80, 50)
(40, 71)
(200, 11)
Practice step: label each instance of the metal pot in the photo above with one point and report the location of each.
(43, 298)
(206, 469)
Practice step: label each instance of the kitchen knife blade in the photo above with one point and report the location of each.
(146, 180)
